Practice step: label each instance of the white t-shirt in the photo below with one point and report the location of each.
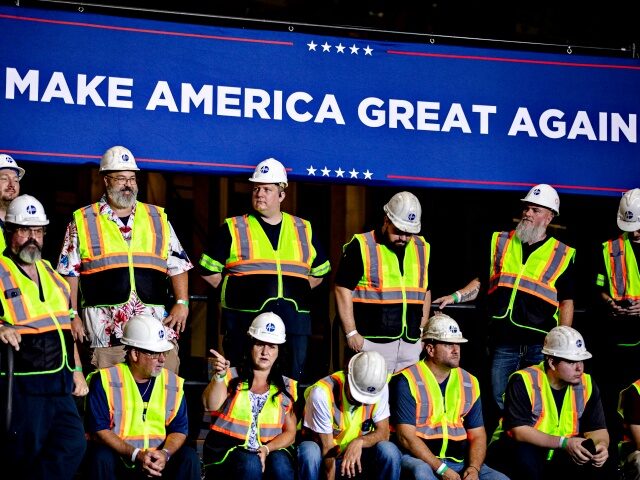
(317, 411)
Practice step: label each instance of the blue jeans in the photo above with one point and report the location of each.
(506, 360)
(244, 465)
(414, 468)
(382, 461)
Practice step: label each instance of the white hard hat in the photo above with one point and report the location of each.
(565, 342)
(146, 332)
(268, 327)
(6, 161)
(629, 211)
(270, 171)
(404, 211)
(118, 159)
(545, 196)
(27, 211)
(367, 376)
(443, 328)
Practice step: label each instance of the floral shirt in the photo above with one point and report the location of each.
(257, 402)
(105, 324)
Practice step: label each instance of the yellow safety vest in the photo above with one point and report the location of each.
(143, 426)
(537, 276)
(626, 445)
(234, 417)
(107, 259)
(439, 418)
(254, 266)
(23, 308)
(387, 303)
(622, 269)
(349, 423)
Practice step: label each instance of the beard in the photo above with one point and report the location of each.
(30, 252)
(530, 233)
(119, 199)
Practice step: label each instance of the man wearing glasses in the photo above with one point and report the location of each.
(136, 415)
(118, 253)
(10, 176)
(382, 285)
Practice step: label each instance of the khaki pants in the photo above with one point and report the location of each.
(105, 357)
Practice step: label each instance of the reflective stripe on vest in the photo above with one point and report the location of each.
(234, 417)
(622, 269)
(537, 276)
(375, 287)
(543, 405)
(346, 427)
(102, 246)
(438, 417)
(126, 406)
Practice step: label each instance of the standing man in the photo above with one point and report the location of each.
(346, 418)
(618, 284)
(530, 288)
(437, 412)
(550, 410)
(45, 438)
(136, 414)
(120, 253)
(10, 176)
(267, 261)
(381, 285)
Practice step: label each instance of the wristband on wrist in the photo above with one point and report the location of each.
(183, 302)
(75, 313)
(265, 446)
(442, 468)
(563, 442)
(134, 454)
(351, 333)
(77, 369)
(220, 378)
(456, 296)
(166, 452)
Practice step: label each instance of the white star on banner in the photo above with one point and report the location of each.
(325, 172)
(326, 47)
(367, 51)
(339, 172)
(367, 174)
(311, 170)
(312, 46)
(340, 48)
(354, 49)
(353, 173)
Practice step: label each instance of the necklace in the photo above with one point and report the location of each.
(146, 389)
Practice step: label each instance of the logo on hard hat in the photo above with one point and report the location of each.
(536, 191)
(579, 343)
(161, 334)
(8, 159)
(628, 216)
(31, 209)
(270, 327)
(453, 329)
(371, 389)
(264, 169)
(411, 217)
(125, 157)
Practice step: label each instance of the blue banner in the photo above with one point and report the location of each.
(204, 99)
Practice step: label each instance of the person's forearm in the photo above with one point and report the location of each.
(174, 442)
(180, 286)
(566, 312)
(599, 437)
(214, 395)
(344, 302)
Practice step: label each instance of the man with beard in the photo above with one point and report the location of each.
(266, 261)
(136, 417)
(530, 288)
(118, 253)
(381, 288)
(553, 426)
(45, 438)
(437, 411)
(10, 176)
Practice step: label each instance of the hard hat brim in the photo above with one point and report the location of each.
(446, 340)
(573, 358)
(628, 226)
(553, 210)
(158, 347)
(361, 397)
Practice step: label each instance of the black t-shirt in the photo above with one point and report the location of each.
(517, 407)
(631, 406)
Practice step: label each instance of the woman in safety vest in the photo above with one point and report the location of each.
(253, 422)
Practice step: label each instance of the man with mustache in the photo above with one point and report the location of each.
(10, 176)
(382, 285)
(121, 254)
(45, 438)
(530, 288)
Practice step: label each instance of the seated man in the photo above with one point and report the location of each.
(136, 414)
(346, 417)
(553, 426)
(437, 411)
(630, 447)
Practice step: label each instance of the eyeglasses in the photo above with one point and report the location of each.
(26, 232)
(120, 180)
(152, 355)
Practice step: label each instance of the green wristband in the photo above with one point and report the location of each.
(183, 302)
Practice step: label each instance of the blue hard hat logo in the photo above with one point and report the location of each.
(536, 191)
(411, 217)
(264, 169)
(31, 209)
(371, 389)
(161, 334)
(125, 157)
(628, 216)
(579, 343)
(270, 328)
(8, 159)
(453, 329)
